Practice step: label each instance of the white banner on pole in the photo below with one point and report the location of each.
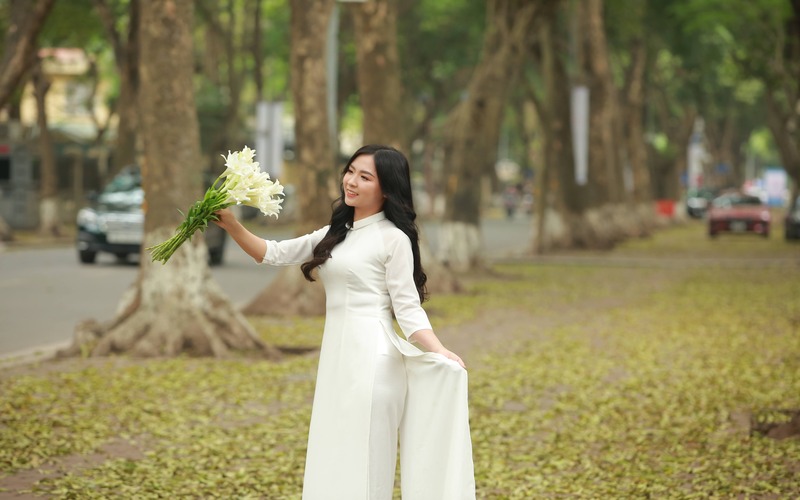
(269, 137)
(262, 135)
(696, 155)
(580, 132)
(276, 139)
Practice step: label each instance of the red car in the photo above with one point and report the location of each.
(738, 213)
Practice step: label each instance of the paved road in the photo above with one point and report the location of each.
(45, 292)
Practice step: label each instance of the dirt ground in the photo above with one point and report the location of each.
(494, 330)
(470, 339)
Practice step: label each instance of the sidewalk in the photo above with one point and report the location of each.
(32, 239)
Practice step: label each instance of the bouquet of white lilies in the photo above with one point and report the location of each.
(244, 184)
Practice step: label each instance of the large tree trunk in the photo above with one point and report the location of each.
(316, 177)
(633, 115)
(573, 214)
(560, 210)
(552, 109)
(473, 129)
(607, 216)
(175, 307)
(19, 51)
(604, 141)
(49, 224)
(606, 208)
(634, 124)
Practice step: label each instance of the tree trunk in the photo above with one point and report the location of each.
(125, 143)
(560, 226)
(604, 141)
(379, 85)
(381, 91)
(49, 224)
(605, 209)
(784, 128)
(316, 177)
(608, 217)
(176, 307)
(19, 50)
(473, 129)
(569, 214)
(126, 55)
(576, 215)
(724, 140)
(633, 114)
(634, 124)
(783, 103)
(234, 80)
(255, 49)
(551, 107)
(234, 42)
(6, 234)
(669, 166)
(126, 147)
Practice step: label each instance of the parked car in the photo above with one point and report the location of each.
(698, 201)
(736, 212)
(114, 222)
(792, 220)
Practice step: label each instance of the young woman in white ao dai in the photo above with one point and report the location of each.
(374, 387)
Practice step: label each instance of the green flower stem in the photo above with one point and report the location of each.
(198, 217)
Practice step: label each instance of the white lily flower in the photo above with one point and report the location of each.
(245, 184)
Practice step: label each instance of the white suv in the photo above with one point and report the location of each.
(114, 222)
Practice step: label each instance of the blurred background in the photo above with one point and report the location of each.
(598, 119)
(605, 191)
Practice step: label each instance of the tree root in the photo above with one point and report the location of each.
(171, 310)
(776, 424)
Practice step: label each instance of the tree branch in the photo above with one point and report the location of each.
(108, 20)
(21, 45)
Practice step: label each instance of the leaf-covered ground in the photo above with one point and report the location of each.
(635, 373)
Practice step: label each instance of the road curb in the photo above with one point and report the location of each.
(32, 355)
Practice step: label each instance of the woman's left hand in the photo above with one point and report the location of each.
(428, 340)
(451, 355)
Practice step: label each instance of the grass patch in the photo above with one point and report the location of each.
(639, 402)
(616, 382)
(691, 240)
(295, 332)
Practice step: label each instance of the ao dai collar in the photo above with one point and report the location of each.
(367, 221)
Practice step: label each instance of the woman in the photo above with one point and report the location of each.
(371, 384)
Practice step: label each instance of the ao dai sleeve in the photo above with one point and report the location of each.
(293, 251)
(400, 283)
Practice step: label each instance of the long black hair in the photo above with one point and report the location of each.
(394, 177)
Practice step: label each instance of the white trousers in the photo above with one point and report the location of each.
(388, 399)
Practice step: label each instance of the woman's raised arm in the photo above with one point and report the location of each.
(252, 245)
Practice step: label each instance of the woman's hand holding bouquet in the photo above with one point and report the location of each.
(244, 184)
